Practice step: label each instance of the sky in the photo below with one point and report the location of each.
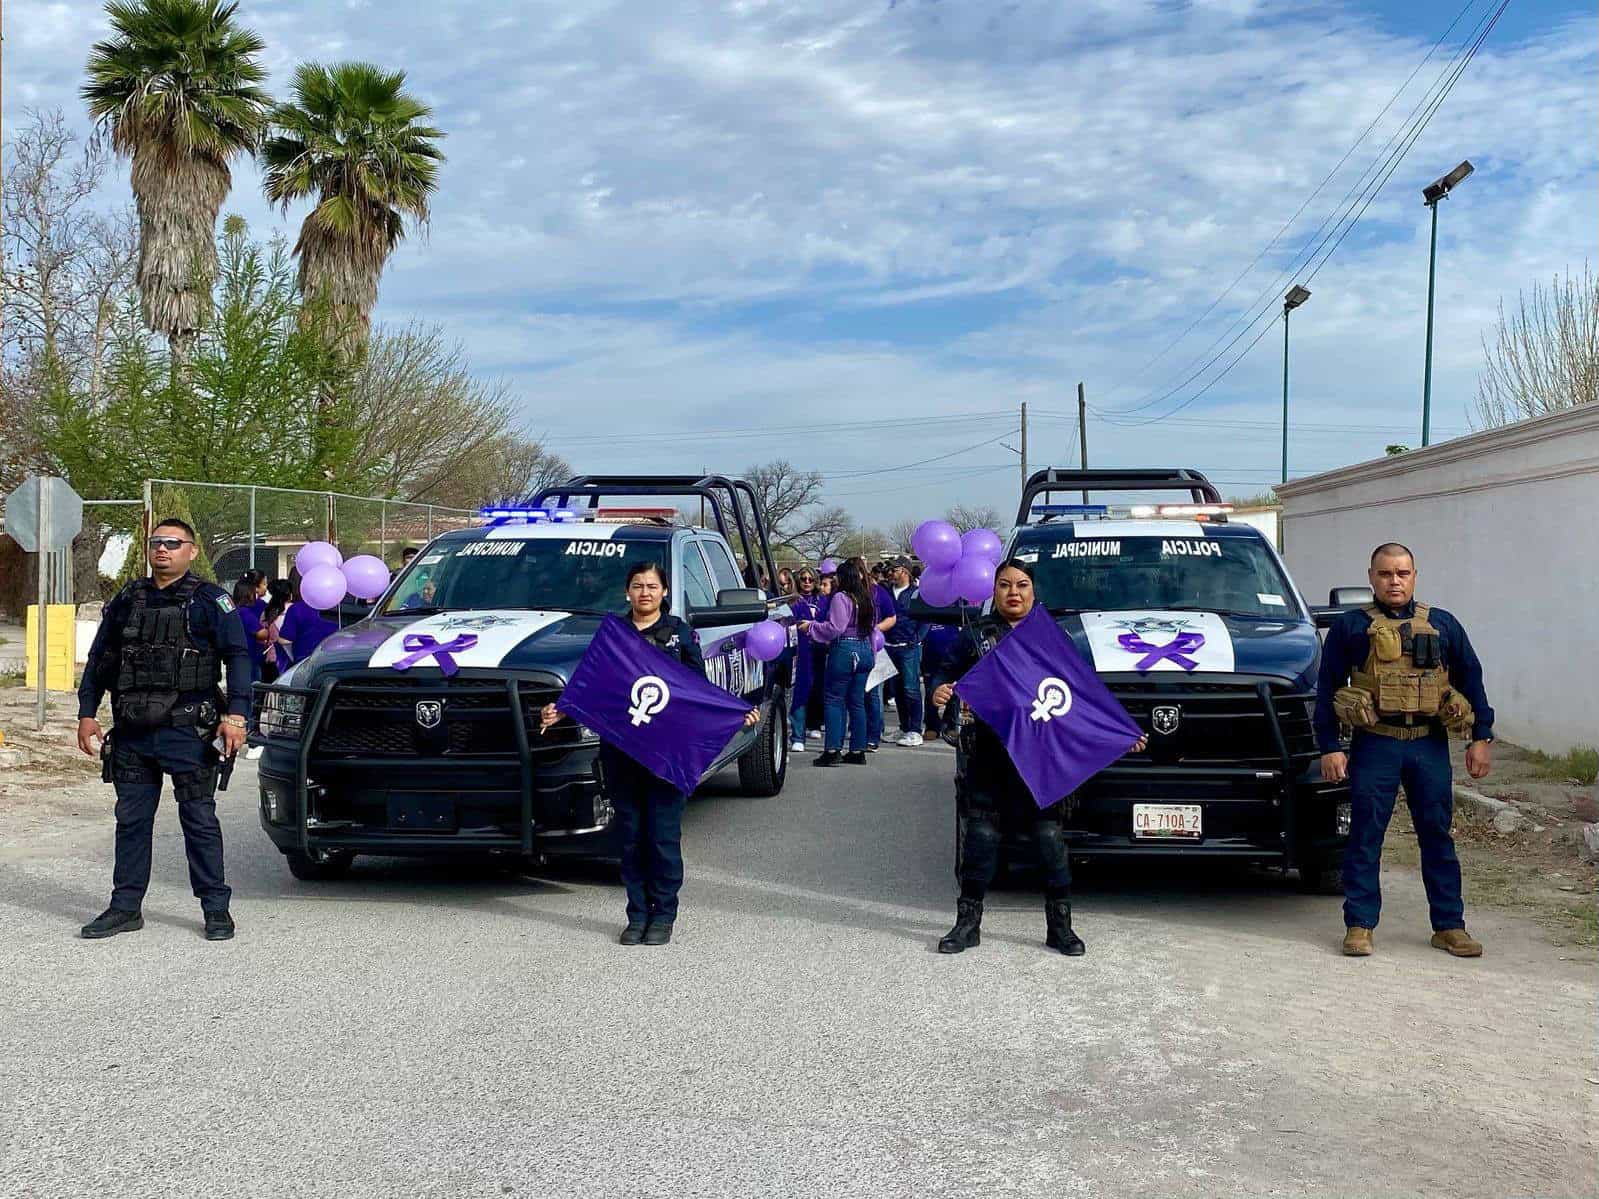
(859, 234)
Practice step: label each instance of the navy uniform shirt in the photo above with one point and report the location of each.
(676, 638)
(1348, 645)
(212, 620)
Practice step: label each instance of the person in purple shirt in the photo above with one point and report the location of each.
(846, 631)
(885, 617)
(807, 606)
(244, 599)
(304, 628)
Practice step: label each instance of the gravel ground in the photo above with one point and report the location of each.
(428, 1029)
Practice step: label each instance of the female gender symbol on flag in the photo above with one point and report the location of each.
(1059, 723)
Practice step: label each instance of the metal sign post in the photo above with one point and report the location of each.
(40, 667)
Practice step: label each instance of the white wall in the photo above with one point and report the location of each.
(1505, 527)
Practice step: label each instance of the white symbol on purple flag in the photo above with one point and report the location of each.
(649, 696)
(1054, 699)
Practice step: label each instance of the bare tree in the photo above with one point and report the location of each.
(1545, 355)
(900, 533)
(792, 501)
(508, 469)
(967, 517)
(825, 533)
(863, 543)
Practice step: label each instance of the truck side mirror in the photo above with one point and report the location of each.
(1349, 597)
(734, 605)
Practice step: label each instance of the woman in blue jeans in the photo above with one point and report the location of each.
(847, 633)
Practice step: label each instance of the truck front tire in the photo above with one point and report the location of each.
(762, 770)
(1321, 876)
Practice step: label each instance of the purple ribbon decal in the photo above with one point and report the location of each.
(1176, 649)
(418, 646)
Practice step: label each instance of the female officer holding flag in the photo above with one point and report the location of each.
(649, 809)
(995, 790)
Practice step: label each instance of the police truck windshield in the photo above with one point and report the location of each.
(555, 573)
(1235, 575)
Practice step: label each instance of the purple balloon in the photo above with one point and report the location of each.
(974, 578)
(829, 566)
(938, 588)
(766, 641)
(317, 553)
(937, 543)
(982, 543)
(322, 587)
(366, 577)
(878, 641)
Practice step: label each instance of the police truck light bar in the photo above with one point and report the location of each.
(1197, 512)
(512, 514)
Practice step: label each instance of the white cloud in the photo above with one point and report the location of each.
(695, 215)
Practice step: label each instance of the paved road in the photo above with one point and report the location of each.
(435, 1030)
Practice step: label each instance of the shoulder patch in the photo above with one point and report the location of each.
(225, 602)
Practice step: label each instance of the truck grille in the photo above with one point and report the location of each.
(1220, 724)
(379, 718)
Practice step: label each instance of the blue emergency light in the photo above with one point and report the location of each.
(1071, 509)
(512, 514)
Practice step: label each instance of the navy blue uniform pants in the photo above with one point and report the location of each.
(908, 687)
(649, 817)
(1378, 767)
(138, 760)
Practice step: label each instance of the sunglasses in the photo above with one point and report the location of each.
(167, 543)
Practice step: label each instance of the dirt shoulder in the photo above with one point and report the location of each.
(55, 782)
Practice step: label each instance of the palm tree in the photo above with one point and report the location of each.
(176, 87)
(358, 141)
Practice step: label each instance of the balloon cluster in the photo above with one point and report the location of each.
(326, 578)
(958, 566)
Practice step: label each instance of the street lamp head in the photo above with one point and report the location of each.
(1296, 296)
(1440, 188)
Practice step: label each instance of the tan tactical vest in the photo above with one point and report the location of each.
(1406, 680)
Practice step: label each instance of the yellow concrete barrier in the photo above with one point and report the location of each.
(60, 650)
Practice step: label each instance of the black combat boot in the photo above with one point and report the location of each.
(830, 757)
(968, 930)
(218, 926)
(856, 758)
(111, 922)
(1058, 918)
(633, 934)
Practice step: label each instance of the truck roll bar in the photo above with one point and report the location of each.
(1041, 483)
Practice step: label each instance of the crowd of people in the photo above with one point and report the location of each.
(846, 613)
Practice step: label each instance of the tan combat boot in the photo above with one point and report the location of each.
(1458, 942)
(1357, 942)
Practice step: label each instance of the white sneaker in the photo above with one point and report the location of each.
(796, 747)
(254, 752)
(909, 740)
(814, 735)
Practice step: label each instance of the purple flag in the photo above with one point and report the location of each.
(650, 706)
(1060, 724)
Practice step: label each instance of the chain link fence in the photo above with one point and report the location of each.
(246, 527)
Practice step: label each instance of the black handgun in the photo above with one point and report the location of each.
(105, 758)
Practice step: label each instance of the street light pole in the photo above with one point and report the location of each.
(1430, 195)
(1296, 296)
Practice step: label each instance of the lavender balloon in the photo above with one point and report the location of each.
(366, 577)
(318, 553)
(828, 566)
(937, 543)
(766, 641)
(938, 587)
(982, 543)
(974, 578)
(322, 587)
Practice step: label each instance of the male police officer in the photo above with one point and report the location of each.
(160, 650)
(1404, 677)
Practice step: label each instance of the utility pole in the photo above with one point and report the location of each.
(1024, 445)
(1082, 432)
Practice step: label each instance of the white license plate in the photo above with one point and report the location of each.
(1176, 821)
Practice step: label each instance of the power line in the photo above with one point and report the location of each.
(1406, 136)
(1288, 224)
(719, 433)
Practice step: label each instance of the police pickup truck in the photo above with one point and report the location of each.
(371, 747)
(1194, 624)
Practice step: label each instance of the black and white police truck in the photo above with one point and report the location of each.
(362, 758)
(1194, 624)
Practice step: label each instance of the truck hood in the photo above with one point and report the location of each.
(505, 639)
(1155, 641)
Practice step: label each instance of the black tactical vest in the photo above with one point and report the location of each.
(161, 662)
